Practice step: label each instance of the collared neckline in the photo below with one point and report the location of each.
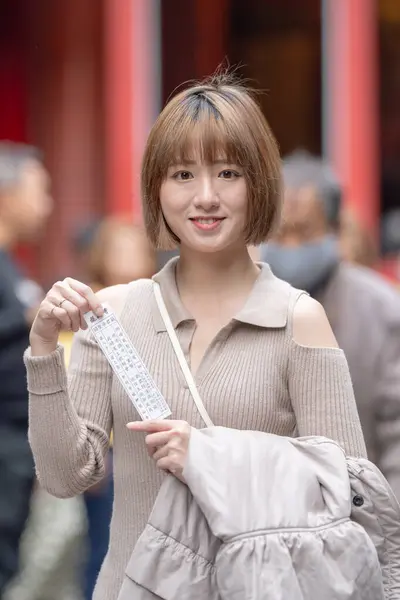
(267, 304)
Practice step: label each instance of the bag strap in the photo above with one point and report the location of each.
(180, 356)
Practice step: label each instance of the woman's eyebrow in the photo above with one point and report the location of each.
(219, 161)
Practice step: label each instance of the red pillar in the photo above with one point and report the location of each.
(65, 120)
(131, 92)
(351, 102)
(211, 22)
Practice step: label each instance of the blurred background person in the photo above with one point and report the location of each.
(111, 251)
(390, 241)
(356, 243)
(363, 309)
(118, 251)
(82, 243)
(51, 550)
(58, 541)
(25, 205)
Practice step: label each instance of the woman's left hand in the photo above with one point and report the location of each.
(167, 443)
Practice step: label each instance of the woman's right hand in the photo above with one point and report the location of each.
(62, 310)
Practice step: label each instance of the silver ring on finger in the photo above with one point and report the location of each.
(62, 302)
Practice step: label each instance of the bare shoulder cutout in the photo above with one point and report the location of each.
(311, 327)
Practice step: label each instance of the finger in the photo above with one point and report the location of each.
(83, 323)
(165, 464)
(61, 315)
(87, 292)
(160, 453)
(156, 440)
(61, 292)
(152, 426)
(51, 309)
(74, 314)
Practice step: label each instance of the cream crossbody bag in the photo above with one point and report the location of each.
(180, 356)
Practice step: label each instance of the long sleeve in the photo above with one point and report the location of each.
(70, 417)
(387, 406)
(322, 396)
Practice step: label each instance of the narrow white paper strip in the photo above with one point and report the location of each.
(127, 365)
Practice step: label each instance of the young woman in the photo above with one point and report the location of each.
(262, 353)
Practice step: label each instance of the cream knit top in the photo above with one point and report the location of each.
(253, 376)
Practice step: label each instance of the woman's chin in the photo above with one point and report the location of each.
(209, 246)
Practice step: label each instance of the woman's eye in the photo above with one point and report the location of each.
(183, 175)
(228, 174)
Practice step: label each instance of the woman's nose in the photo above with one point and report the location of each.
(206, 196)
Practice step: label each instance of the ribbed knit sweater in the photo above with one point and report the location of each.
(253, 376)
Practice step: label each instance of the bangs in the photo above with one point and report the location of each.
(202, 132)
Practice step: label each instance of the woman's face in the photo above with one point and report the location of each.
(205, 205)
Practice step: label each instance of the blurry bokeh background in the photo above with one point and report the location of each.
(84, 81)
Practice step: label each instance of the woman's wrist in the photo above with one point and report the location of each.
(42, 348)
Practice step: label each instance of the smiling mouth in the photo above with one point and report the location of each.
(206, 220)
(207, 223)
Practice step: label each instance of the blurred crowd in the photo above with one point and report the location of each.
(49, 548)
(52, 549)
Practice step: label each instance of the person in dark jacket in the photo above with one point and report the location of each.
(25, 204)
(362, 307)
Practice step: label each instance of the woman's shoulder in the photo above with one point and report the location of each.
(118, 295)
(307, 323)
(310, 325)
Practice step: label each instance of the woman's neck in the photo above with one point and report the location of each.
(203, 273)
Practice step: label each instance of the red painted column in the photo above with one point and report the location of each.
(351, 95)
(211, 22)
(65, 120)
(131, 93)
(118, 105)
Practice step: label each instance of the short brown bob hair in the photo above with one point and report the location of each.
(218, 117)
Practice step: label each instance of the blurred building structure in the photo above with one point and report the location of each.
(84, 81)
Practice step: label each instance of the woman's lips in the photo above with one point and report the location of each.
(207, 223)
